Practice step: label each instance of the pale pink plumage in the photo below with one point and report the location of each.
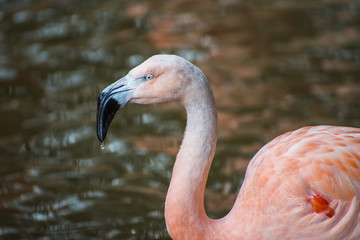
(304, 184)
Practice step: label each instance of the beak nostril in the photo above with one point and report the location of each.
(116, 87)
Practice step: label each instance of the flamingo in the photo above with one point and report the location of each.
(304, 184)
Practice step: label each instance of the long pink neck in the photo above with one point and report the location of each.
(184, 209)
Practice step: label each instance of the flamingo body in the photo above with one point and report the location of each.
(303, 184)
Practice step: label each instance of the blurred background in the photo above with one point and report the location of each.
(274, 66)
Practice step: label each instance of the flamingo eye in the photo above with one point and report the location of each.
(149, 77)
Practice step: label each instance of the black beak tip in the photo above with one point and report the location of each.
(100, 132)
(105, 114)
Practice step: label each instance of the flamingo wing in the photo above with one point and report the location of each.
(306, 183)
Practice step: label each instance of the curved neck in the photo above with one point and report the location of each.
(184, 209)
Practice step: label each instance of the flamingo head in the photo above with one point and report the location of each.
(161, 78)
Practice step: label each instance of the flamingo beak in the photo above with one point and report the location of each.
(110, 100)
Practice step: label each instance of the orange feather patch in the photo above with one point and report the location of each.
(320, 205)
